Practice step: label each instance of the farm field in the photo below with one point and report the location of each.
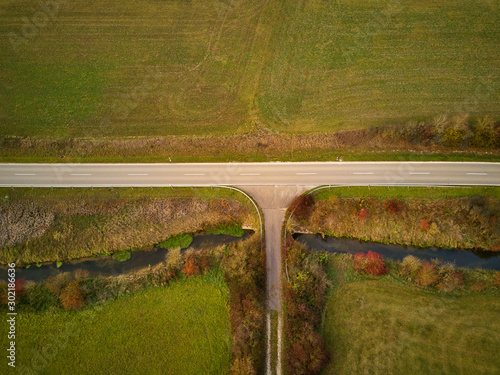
(135, 69)
(351, 64)
(375, 326)
(156, 331)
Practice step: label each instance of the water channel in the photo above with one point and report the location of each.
(461, 258)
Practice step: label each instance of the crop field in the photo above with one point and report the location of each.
(181, 329)
(79, 69)
(126, 68)
(378, 327)
(350, 64)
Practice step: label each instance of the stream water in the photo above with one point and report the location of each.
(461, 258)
(107, 266)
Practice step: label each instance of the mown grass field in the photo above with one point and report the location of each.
(180, 329)
(379, 327)
(143, 69)
(350, 64)
(45, 225)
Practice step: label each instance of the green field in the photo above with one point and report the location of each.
(378, 327)
(181, 329)
(148, 68)
(345, 64)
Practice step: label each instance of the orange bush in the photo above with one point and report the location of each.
(72, 296)
(428, 275)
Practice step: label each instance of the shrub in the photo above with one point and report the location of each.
(428, 275)
(72, 296)
(303, 206)
(451, 281)
(496, 279)
(424, 225)
(370, 263)
(56, 283)
(174, 258)
(191, 266)
(363, 214)
(410, 267)
(478, 286)
(80, 275)
(393, 206)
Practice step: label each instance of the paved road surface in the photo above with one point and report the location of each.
(236, 174)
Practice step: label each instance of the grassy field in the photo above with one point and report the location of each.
(378, 327)
(387, 192)
(45, 225)
(345, 64)
(181, 329)
(145, 69)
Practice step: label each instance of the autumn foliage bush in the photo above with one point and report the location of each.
(72, 296)
(393, 206)
(370, 263)
(428, 274)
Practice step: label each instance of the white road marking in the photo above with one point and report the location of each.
(362, 173)
(304, 173)
(478, 174)
(138, 174)
(249, 174)
(81, 174)
(419, 173)
(194, 174)
(25, 174)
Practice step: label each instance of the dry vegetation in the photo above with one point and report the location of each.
(468, 222)
(441, 135)
(65, 224)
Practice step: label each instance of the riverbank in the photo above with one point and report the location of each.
(49, 225)
(466, 218)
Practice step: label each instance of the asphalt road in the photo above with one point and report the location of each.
(238, 174)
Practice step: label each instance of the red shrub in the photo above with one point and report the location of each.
(393, 206)
(424, 225)
(363, 214)
(496, 247)
(428, 275)
(72, 296)
(191, 266)
(20, 287)
(370, 263)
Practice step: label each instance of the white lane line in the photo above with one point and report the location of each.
(138, 174)
(81, 174)
(194, 174)
(419, 173)
(362, 173)
(25, 174)
(249, 174)
(478, 174)
(304, 173)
